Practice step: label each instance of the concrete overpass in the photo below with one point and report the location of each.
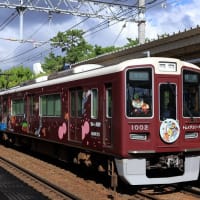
(184, 45)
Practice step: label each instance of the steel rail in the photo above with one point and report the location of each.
(42, 181)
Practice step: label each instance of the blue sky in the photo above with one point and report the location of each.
(162, 16)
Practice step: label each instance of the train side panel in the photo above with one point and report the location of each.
(84, 117)
(117, 115)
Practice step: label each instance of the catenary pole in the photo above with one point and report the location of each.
(141, 21)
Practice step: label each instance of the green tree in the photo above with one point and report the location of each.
(98, 50)
(15, 76)
(132, 42)
(53, 63)
(163, 36)
(77, 49)
(73, 43)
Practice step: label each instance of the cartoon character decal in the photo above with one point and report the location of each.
(139, 106)
(25, 126)
(86, 94)
(12, 122)
(85, 127)
(169, 130)
(62, 130)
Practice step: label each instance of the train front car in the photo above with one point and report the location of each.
(161, 138)
(143, 115)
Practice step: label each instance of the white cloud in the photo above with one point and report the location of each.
(174, 18)
(175, 15)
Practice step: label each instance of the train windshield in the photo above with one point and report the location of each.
(191, 94)
(167, 101)
(139, 92)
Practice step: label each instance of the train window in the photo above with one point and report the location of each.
(57, 104)
(31, 105)
(80, 108)
(50, 105)
(76, 102)
(72, 103)
(191, 94)
(139, 92)
(94, 103)
(108, 102)
(167, 101)
(138, 76)
(18, 107)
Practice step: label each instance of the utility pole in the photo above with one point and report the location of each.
(20, 10)
(87, 8)
(141, 21)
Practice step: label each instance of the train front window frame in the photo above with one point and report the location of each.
(191, 94)
(139, 89)
(168, 101)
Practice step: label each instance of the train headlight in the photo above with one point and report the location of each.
(191, 135)
(138, 136)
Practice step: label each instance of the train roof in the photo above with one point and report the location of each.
(93, 70)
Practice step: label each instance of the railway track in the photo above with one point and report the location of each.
(34, 175)
(48, 189)
(76, 181)
(192, 190)
(144, 196)
(175, 192)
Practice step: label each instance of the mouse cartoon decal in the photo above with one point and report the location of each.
(169, 130)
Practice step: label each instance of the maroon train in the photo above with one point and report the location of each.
(139, 119)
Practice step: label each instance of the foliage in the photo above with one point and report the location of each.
(76, 49)
(73, 43)
(15, 76)
(53, 63)
(163, 36)
(98, 50)
(132, 42)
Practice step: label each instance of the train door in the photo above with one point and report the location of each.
(168, 110)
(5, 110)
(168, 101)
(32, 114)
(76, 110)
(28, 112)
(107, 132)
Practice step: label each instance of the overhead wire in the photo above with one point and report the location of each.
(26, 51)
(69, 29)
(74, 26)
(108, 23)
(9, 59)
(8, 20)
(3, 26)
(119, 34)
(90, 31)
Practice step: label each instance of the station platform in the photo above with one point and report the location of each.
(11, 188)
